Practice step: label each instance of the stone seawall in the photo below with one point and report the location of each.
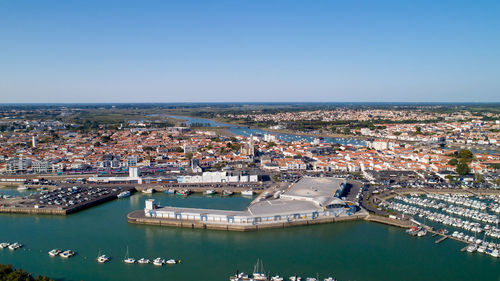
(138, 217)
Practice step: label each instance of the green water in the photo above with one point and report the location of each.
(349, 251)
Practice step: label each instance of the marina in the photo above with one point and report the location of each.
(472, 219)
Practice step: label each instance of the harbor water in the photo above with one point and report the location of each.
(349, 250)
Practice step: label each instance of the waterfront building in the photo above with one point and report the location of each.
(309, 199)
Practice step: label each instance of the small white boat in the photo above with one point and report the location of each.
(15, 246)
(148, 191)
(295, 278)
(171, 261)
(276, 278)
(227, 193)
(247, 193)
(4, 245)
(209, 192)
(54, 252)
(143, 261)
(329, 279)
(22, 188)
(67, 254)
(102, 259)
(472, 248)
(158, 261)
(123, 194)
(128, 259)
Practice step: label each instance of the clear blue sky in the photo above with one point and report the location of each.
(249, 51)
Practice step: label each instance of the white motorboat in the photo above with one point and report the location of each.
(295, 278)
(158, 261)
(15, 246)
(54, 252)
(276, 278)
(67, 254)
(209, 192)
(472, 248)
(171, 261)
(123, 194)
(4, 245)
(148, 191)
(247, 193)
(143, 261)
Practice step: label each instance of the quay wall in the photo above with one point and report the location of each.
(138, 217)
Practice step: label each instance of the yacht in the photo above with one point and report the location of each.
(123, 194)
(329, 279)
(311, 279)
(15, 246)
(158, 261)
(276, 278)
(247, 193)
(4, 245)
(209, 192)
(148, 191)
(128, 259)
(67, 254)
(54, 252)
(295, 278)
(171, 261)
(495, 253)
(143, 261)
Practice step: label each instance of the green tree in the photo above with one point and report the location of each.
(189, 155)
(462, 168)
(453, 162)
(465, 155)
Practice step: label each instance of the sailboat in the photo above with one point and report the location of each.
(128, 259)
(258, 271)
(102, 258)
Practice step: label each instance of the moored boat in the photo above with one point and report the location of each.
(247, 193)
(4, 245)
(54, 252)
(143, 261)
(123, 194)
(158, 261)
(227, 193)
(15, 246)
(67, 254)
(184, 192)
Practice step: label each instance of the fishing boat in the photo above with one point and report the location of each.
(123, 194)
(148, 191)
(258, 271)
(210, 192)
(67, 254)
(158, 261)
(169, 191)
(143, 261)
(4, 245)
(247, 193)
(54, 252)
(15, 246)
(128, 259)
(227, 193)
(184, 192)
